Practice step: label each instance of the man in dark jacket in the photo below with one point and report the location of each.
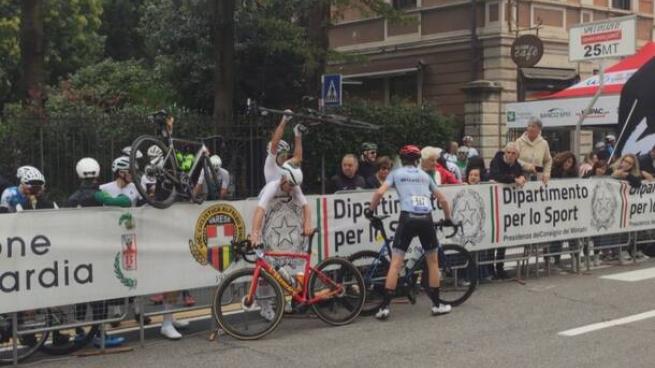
(505, 168)
(347, 179)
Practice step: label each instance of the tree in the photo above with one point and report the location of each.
(32, 52)
(223, 42)
(120, 22)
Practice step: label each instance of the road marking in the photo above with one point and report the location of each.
(607, 324)
(632, 276)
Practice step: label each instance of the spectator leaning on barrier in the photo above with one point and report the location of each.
(347, 179)
(589, 160)
(383, 168)
(485, 273)
(564, 166)
(627, 168)
(506, 169)
(534, 151)
(600, 168)
(369, 153)
(647, 165)
(449, 166)
(467, 142)
(430, 164)
(477, 162)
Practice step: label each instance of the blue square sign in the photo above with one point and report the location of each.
(331, 90)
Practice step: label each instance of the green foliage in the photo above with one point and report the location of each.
(120, 22)
(112, 85)
(400, 124)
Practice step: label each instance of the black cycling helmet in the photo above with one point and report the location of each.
(368, 146)
(159, 117)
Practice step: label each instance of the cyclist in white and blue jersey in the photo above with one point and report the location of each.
(415, 189)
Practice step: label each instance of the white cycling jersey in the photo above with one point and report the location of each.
(129, 190)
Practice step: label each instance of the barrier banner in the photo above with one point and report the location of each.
(67, 256)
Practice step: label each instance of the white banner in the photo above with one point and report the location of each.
(563, 112)
(68, 256)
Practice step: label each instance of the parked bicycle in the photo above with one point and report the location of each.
(163, 173)
(334, 289)
(457, 266)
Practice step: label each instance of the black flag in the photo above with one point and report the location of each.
(639, 134)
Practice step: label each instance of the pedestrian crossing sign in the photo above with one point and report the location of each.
(331, 90)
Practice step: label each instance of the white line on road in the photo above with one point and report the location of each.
(606, 324)
(632, 276)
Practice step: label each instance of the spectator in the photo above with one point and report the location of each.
(505, 168)
(383, 165)
(485, 272)
(449, 166)
(627, 168)
(29, 194)
(535, 152)
(347, 179)
(610, 143)
(429, 163)
(589, 160)
(467, 141)
(564, 166)
(602, 151)
(600, 168)
(462, 158)
(477, 162)
(647, 165)
(451, 152)
(367, 167)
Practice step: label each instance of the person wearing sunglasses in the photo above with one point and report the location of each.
(369, 154)
(29, 194)
(627, 168)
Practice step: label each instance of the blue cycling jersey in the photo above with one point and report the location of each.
(414, 188)
(11, 198)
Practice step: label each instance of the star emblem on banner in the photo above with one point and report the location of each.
(284, 233)
(469, 214)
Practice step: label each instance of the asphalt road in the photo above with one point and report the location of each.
(504, 324)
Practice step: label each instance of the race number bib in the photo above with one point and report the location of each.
(421, 204)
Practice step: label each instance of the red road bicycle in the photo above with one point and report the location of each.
(249, 303)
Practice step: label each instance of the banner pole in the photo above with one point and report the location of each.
(585, 112)
(625, 124)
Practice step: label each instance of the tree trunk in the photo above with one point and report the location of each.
(32, 53)
(317, 22)
(223, 33)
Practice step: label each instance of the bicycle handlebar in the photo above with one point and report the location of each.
(439, 225)
(244, 248)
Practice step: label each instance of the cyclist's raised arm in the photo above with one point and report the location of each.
(279, 132)
(297, 148)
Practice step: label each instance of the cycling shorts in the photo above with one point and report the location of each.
(411, 225)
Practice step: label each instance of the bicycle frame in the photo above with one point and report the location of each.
(194, 173)
(302, 296)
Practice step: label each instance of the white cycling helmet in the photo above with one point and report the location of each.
(121, 163)
(292, 173)
(216, 162)
(155, 154)
(87, 168)
(282, 147)
(32, 175)
(127, 151)
(21, 170)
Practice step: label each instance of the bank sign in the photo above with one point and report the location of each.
(563, 112)
(609, 38)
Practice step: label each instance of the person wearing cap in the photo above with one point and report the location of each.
(468, 142)
(367, 168)
(610, 142)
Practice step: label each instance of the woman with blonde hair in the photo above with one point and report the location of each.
(627, 168)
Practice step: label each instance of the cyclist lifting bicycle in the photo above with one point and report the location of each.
(415, 189)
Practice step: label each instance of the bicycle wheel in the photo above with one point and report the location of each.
(155, 173)
(66, 341)
(459, 274)
(209, 183)
(248, 322)
(327, 277)
(374, 271)
(27, 344)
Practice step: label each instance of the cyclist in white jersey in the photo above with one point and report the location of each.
(122, 183)
(278, 150)
(415, 189)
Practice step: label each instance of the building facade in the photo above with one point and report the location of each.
(455, 55)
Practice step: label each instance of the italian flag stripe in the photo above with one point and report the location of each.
(326, 230)
(318, 223)
(496, 214)
(493, 215)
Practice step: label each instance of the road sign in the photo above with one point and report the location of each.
(331, 92)
(608, 38)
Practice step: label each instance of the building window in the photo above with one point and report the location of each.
(404, 4)
(621, 4)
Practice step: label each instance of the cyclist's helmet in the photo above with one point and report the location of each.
(467, 139)
(121, 163)
(410, 152)
(21, 170)
(127, 151)
(292, 173)
(87, 168)
(216, 162)
(32, 176)
(159, 117)
(368, 146)
(155, 154)
(282, 147)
